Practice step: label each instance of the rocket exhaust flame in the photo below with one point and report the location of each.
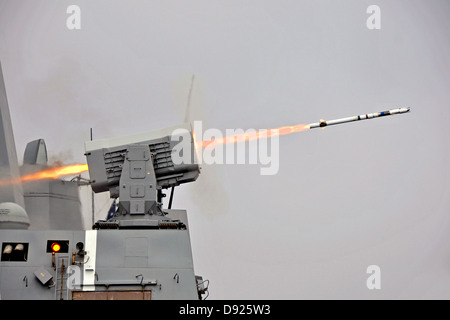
(248, 136)
(50, 173)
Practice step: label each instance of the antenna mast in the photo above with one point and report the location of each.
(92, 197)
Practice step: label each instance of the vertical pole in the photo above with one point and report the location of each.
(171, 197)
(92, 197)
(62, 281)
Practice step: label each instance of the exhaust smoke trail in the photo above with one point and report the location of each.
(50, 173)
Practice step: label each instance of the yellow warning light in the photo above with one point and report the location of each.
(56, 247)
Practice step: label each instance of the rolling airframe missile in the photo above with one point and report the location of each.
(323, 123)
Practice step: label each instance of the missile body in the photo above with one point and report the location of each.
(323, 123)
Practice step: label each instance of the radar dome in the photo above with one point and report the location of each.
(13, 216)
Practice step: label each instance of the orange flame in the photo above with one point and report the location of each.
(54, 173)
(253, 135)
(50, 173)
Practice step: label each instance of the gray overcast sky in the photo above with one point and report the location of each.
(371, 192)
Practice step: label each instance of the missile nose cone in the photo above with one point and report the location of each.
(404, 110)
(401, 110)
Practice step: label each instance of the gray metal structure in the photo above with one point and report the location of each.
(141, 252)
(136, 169)
(52, 204)
(98, 265)
(9, 168)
